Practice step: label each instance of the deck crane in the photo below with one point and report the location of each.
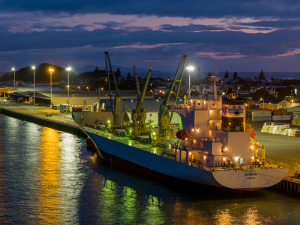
(137, 83)
(139, 114)
(164, 118)
(117, 104)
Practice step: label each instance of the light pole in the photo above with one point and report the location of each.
(33, 68)
(51, 71)
(190, 69)
(68, 69)
(13, 69)
(263, 103)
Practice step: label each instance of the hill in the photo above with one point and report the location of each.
(41, 74)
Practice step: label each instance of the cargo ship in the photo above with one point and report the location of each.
(210, 146)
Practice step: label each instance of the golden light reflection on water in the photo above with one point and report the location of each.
(49, 207)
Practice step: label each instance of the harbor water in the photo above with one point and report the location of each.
(48, 177)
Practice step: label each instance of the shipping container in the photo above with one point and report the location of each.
(281, 117)
(261, 118)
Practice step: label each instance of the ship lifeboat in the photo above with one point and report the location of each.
(182, 134)
(90, 144)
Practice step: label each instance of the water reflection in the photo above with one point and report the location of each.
(48, 193)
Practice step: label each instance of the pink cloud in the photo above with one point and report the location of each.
(139, 45)
(220, 55)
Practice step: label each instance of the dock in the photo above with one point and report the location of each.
(37, 114)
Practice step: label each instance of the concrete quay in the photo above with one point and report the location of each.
(282, 149)
(37, 114)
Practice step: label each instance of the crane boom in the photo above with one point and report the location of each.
(179, 80)
(137, 83)
(110, 71)
(142, 96)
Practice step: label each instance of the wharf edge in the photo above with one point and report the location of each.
(73, 129)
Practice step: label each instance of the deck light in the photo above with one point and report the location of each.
(193, 130)
(197, 130)
(252, 147)
(225, 149)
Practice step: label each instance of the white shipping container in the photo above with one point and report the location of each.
(281, 117)
(261, 113)
(261, 118)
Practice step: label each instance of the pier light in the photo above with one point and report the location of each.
(252, 146)
(224, 159)
(154, 151)
(68, 69)
(252, 157)
(190, 69)
(102, 89)
(108, 121)
(33, 67)
(51, 71)
(236, 158)
(204, 157)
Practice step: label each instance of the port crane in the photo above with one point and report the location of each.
(139, 114)
(117, 104)
(137, 83)
(164, 118)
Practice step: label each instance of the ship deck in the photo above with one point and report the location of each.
(141, 142)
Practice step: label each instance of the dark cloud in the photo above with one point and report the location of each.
(190, 28)
(211, 8)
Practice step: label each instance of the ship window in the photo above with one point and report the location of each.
(237, 113)
(234, 107)
(239, 107)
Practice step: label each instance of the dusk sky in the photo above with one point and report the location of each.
(229, 35)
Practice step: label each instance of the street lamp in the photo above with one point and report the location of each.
(51, 71)
(68, 69)
(190, 69)
(263, 103)
(13, 69)
(33, 68)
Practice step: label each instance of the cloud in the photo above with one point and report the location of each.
(145, 46)
(220, 55)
